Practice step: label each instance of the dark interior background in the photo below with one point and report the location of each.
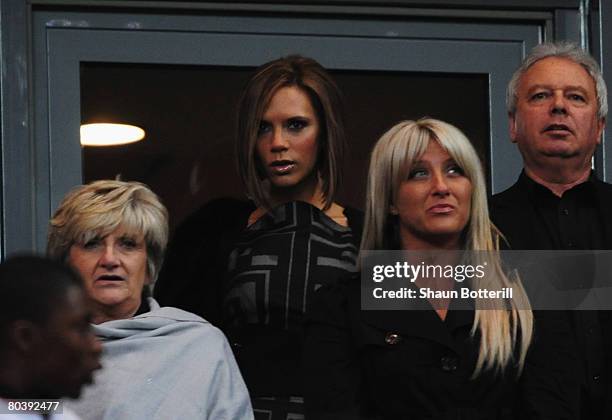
(188, 113)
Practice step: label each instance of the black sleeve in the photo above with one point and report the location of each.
(550, 383)
(194, 265)
(355, 218)
(332, 375)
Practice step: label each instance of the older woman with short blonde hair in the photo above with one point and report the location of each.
(114, 234)
(94, 211)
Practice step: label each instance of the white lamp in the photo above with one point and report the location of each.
(106, 134)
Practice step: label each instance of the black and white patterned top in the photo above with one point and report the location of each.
(280, 260)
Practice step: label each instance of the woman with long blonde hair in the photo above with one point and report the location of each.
(426, 194)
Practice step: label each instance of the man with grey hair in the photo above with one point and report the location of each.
(557, 106)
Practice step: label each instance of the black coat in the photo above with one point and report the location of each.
(412, 365)
(512, 212)
(196, 259)
(192, 279)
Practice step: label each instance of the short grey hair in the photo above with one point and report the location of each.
(561, 49)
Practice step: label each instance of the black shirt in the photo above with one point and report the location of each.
(572, 221)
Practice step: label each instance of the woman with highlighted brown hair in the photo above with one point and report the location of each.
(437, 359)
(252, 267)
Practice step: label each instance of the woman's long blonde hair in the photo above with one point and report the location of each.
(502, 331)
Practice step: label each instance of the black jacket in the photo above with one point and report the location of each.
(411, 365)
(192, 279)
(196, 258)
(512, 212)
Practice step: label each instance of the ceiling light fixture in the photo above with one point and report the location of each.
(106, 134)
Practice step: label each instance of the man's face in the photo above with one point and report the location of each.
(556, 115)
(69, 351)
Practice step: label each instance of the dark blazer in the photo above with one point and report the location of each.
(196, 260)
(192, 279)
(411, 365)
(512, 212)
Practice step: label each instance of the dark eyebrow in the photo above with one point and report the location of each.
(299, 117)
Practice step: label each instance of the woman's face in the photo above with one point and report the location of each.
(434, 203)
(114, 269)
(287, 143)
